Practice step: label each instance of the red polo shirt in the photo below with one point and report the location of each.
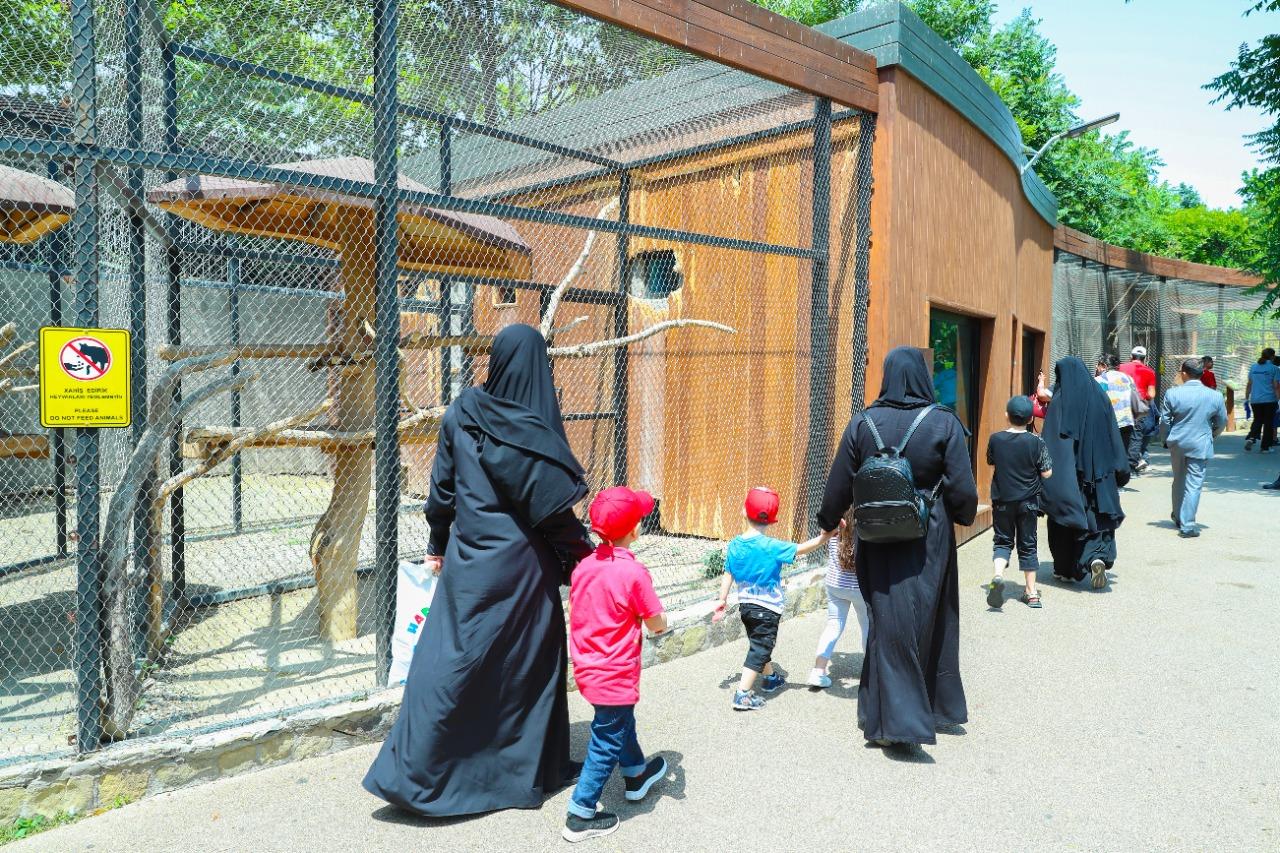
(610, 595)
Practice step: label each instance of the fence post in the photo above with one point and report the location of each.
(819, 444)
(137, 265)
(386, 327)
(173, 336)
(620, 324)
(862, 256)
(56, 259)
(237, 464)
(446, 284)
(84, 264)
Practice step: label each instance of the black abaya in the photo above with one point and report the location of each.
(1090, 465)
(484, 723)
(911, 669)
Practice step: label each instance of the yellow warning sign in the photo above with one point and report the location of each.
(84, 377)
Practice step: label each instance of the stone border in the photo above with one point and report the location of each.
(135, 769)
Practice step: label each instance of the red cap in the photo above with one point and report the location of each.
(762, 505)
(616, 512)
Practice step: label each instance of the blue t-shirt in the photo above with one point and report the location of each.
(755, 561)
(1263, 376)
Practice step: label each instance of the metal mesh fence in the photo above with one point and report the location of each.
(1099, 309)
(312, 218)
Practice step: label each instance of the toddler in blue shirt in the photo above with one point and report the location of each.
(754, 564)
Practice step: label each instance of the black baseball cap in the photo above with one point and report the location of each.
(1020, 407)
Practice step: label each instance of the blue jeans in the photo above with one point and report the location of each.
(1188, 480)
(613, 744)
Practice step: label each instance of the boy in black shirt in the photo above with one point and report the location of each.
(1021, 461)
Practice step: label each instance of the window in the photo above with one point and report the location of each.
(654, 274)
(955, 341)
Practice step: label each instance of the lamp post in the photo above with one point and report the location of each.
(1069, 133)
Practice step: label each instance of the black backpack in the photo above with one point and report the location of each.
(887, 506)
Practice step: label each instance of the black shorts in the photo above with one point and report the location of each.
(1014, 527)
(762, 631)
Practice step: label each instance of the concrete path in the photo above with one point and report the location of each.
(1141, 717)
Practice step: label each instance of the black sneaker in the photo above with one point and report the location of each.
(995, 593)
(638, 786)
(581, 828)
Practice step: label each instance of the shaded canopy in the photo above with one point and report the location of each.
(31, 206)
(430, 240)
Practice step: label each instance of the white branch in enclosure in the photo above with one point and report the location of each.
(553, 302)
(593, 347)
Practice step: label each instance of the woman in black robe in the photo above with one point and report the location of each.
(1083, 510)
(484, 723)
(911, 669)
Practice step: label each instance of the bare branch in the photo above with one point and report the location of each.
(572, 324)
(7, 333)
(213, 389)
(9, 357)
(583, 350)
(237, 444)
(553, 302)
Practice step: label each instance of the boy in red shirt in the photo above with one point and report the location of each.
(610, 596)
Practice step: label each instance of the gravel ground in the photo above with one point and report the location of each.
(1139, 717)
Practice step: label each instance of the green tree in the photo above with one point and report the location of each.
(1253, 80)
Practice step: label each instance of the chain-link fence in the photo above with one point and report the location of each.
(312, 218)
(1101, 309)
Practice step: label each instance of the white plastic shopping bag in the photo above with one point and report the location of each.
(415, 587)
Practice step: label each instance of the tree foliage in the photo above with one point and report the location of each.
(1253, 80)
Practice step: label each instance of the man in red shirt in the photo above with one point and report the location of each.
(610, 597)
(1208, 380)
(1145, 378)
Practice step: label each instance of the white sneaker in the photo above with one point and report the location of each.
(819, 679)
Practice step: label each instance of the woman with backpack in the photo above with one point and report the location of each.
(1084, 510)
(906, 554)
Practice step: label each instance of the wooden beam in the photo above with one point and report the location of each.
(1083, 245)
(24, 446)
(745, 36)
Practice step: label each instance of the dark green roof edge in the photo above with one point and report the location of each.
(894, 35)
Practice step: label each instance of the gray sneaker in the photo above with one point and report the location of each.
(746, 700)
(995, 594)
(1099, 571)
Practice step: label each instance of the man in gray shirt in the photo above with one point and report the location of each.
(1194, 416)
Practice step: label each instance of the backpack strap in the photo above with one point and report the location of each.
(914, 424)
(875, 433)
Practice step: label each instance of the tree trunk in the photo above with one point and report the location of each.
(335, 542)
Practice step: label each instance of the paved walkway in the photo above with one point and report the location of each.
(1140, 717)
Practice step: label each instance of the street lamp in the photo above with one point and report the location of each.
(1070, 133)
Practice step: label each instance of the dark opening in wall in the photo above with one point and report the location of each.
(654, 274)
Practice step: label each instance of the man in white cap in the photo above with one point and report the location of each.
(1145, 378)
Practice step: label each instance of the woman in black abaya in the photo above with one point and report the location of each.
(484, 724)
(1083, 510)
(911, 669)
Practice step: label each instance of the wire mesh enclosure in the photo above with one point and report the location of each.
(313, 218)
(1101, 309)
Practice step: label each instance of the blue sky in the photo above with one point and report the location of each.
(1147, 60)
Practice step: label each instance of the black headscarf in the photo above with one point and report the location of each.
(520, 371)
(1089, 459)
(906, 383)
(523, 446)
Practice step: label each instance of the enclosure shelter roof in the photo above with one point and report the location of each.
(430, 240)
(698, 104)
(1117, 257)
(31, 206)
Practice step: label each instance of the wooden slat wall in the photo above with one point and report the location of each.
(745, 36)
(711, 415)
(952, 229)
(1079, 243)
